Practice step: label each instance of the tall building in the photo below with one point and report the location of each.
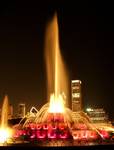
(21, 110)
(76, 95)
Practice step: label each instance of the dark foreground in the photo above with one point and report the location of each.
(95, 147)
(59, 145)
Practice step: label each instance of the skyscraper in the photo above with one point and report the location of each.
(76, 95)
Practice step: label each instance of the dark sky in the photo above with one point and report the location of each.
(86, 41)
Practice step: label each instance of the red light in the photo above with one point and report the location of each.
(32, 126)
(93, 135)
(45, 127)
(54, 127)
(46, 130)
(24, 132)
(52, 135)
(38, 126)
(84, 135)
(33, 135)
(104, 133)
(64, 135)
(41, 135)
(61, 127)
(18, 133)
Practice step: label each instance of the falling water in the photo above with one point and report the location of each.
(4, 113)
(57, 78)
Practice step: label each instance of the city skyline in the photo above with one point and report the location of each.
(85, 43)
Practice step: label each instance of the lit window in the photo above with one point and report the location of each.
(76, 95)
(75, 87)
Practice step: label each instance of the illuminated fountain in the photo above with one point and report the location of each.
(57, 80)
(5, 132)
(54, 116)
(55, 119)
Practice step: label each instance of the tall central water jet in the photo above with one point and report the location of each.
(57, 80)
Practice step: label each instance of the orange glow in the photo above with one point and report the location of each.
(56, 104)
(57, 76)
(5, 134)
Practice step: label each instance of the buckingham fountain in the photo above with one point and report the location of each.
(54, 120)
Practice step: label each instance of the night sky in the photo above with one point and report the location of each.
(86, 42)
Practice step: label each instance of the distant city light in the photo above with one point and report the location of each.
(76, 81)
(89, 109)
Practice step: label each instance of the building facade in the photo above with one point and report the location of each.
(76, 95)
(21, 110)
(97, 115)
